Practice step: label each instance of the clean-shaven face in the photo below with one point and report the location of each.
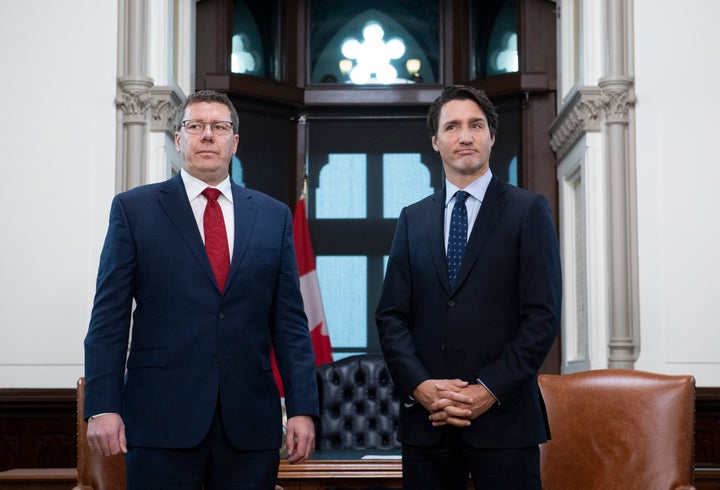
(206, 156)
(463, 141)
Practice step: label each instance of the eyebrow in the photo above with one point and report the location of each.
(472, 121)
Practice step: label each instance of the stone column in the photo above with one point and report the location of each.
(619, 100)
(133, 99)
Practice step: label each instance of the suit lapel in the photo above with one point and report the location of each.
(435, 224)
(492, 205)
(174, 201)
(246, 210)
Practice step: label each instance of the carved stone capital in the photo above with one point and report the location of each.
(581, 114)
(164, 102)
(619, 98)
(134, 99)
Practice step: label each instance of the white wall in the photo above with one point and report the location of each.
(57, 135)
(678, 172)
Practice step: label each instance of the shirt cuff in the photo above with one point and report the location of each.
(98, 415)
(479, 381)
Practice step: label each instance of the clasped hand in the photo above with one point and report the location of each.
(453, 401)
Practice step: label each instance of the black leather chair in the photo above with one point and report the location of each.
(359, 406)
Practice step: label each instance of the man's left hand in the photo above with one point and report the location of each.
(458, 406)
(300, 438)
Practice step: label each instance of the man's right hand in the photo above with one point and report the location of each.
(106, 435)
(431, 391)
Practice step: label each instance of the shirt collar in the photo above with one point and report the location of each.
(476, 189)
(195, 186)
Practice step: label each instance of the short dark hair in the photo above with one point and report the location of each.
(206, 96)
(462, 92)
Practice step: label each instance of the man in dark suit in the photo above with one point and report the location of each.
(188, 393)
(464, 333)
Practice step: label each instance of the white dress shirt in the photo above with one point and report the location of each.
(194, 188)
(476, 190)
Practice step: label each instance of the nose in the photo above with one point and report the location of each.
(207, 132)
(466, 136)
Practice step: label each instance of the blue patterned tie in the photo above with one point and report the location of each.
(457, 236)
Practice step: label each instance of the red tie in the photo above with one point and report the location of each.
(216, 242)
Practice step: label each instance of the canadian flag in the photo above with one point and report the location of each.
(310, 290)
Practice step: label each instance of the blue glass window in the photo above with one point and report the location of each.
(341, 193)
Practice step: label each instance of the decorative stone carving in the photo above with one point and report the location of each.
(619, 97)
(164, 102)
(581, 114)
(588, 108)
(137, 98)
(134, 99)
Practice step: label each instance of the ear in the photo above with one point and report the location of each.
(177, 141)
(434, 143)
(236, 138)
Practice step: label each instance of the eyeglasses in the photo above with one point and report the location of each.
(219, 128)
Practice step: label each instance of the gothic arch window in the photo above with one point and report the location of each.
(386, 25)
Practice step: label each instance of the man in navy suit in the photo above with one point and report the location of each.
(188, 392)
(464, 351)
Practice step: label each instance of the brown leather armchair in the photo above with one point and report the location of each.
(359, 406)
(618, 429)
(95, 472)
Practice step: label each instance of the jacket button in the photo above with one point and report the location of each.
(443, 348)
(451, 303)
(221, 316)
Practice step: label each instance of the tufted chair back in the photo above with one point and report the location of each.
(359, 407)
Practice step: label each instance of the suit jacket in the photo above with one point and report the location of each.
(193, 346)
(497, 325)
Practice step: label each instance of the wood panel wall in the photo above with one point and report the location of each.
(38, 428)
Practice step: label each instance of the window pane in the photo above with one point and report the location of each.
(504, 158)
(343, 283)
(512, 172)
(236, 171)
(405, 181)
(413, 23)
(493, 30)
(354, 166)
(253, 39)
(342, 189)
(502, 49)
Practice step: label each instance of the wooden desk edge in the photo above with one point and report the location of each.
(39, 475)
(363, 468)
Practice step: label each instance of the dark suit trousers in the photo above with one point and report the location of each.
(447, 464)
(213, 465)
